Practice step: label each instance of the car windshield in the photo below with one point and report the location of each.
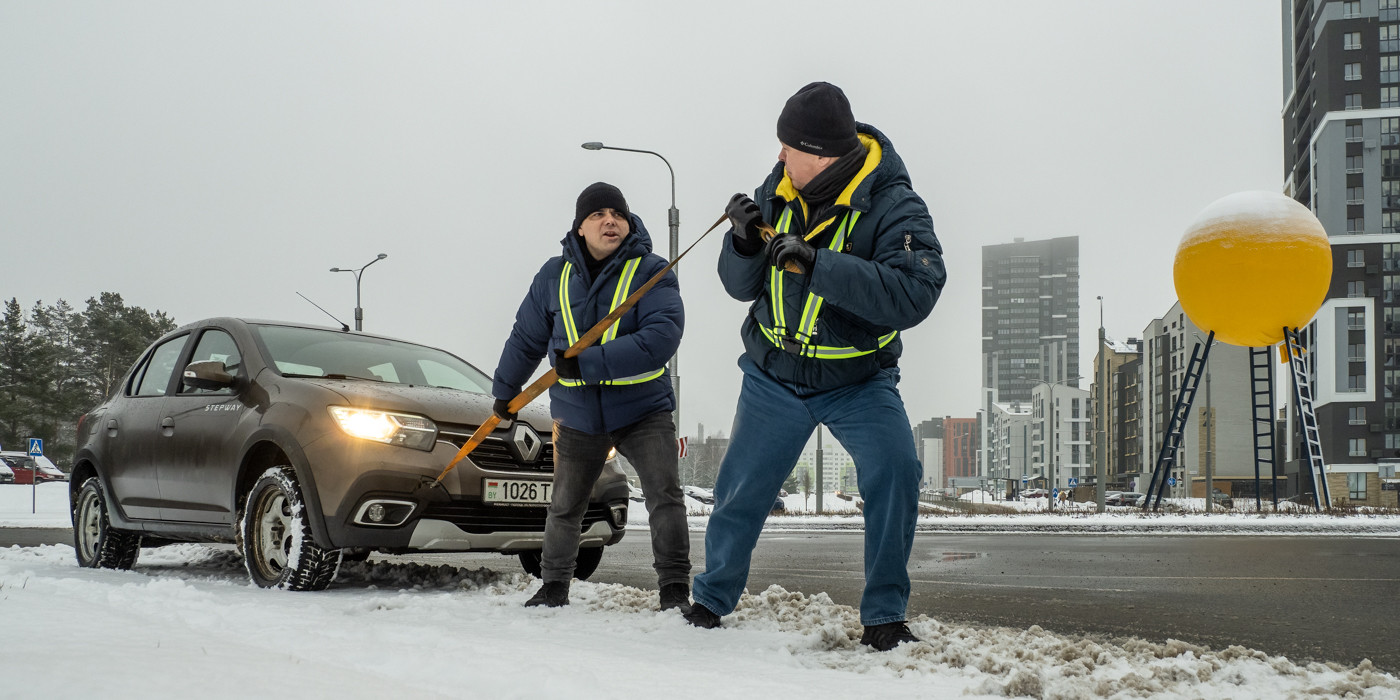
(314, 352)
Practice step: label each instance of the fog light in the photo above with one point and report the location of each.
(375, 513)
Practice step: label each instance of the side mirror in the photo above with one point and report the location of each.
(209, 375)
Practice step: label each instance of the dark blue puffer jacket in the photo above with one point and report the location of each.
(885, 278)
(648, 335)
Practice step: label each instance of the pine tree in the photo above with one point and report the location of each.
(16, 360)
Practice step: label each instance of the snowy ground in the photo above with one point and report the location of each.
(187, 623)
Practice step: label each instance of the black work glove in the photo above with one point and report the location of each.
(746, 219)
(791, 247)
(502, 410)
(566, 367)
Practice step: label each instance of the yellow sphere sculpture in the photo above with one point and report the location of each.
(1250, 264)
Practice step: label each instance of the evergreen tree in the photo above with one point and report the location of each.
(16, 360)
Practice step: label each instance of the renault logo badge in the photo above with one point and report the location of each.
(525, 443)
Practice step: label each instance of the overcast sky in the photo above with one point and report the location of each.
(212, 159)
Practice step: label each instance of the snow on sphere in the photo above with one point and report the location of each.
(1250, 264)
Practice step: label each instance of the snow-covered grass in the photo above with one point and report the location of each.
(187, 623)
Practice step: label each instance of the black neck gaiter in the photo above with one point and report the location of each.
(823, 190)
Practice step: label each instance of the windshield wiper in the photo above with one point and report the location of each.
(333, 376)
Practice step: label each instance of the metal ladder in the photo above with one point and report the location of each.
(1307, 420)
(1261, 376)
(1171, 441)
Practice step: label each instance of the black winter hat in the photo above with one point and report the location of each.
(818, 120)
(599, 195)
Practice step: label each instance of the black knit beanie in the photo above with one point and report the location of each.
(818, 120)
(599, 195)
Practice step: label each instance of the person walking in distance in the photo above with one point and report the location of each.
(854, 262)
(616, 393)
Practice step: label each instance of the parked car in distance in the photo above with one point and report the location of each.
(705, 496)
(1034, 493)
(28, 469)
(1222, 499)
(779, 506)
(7, 475)
(1126, 498)
(305, 445)
(1112, 498)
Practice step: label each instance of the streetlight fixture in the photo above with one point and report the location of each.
(674, 218)
(359, 312)
(1101, 454)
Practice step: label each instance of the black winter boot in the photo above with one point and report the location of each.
(552, 594)
(676, 595)
(700, 616)
(887, 636)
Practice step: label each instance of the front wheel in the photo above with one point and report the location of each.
(278, 548)
(98, 544)
(584, 566)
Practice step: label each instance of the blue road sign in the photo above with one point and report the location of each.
(1025, 480)
(36, 447)
(1171, 481)
(1055, 492)
(1073, 481)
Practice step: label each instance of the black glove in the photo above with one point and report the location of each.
(746, 219)
(566, 367)
(791, 247)
(502, 410)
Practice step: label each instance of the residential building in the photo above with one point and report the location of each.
(1117, 426)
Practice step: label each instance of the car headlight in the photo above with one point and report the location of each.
(612, 453)
(401, 429)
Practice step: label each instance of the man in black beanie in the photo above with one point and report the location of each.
(614, 394)
(822, 346)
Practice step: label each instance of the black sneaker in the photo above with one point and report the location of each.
(676, 595)
(700, 616)
(552, 594)
(887, 636)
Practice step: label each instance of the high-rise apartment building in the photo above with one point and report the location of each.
(1030, 323)
(1341, 116)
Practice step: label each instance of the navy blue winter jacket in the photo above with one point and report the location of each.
(648, 335)
(885, 278)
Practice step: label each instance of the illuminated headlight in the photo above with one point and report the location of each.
(401, 429)
(612, 453)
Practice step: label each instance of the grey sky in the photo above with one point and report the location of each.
(212, 159)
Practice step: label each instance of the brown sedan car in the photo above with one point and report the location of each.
(304, 445)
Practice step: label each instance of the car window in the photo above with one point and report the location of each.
(320, 353)
(154, 376)
(218, 346)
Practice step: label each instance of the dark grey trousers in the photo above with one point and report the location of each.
(650, 445)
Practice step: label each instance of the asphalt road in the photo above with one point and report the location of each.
(1309, 598)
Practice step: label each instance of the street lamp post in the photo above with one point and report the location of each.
(359, 312)
(674, 218)
(1101, 455)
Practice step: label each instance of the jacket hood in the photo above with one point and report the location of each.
(637, 243)
(883, 168)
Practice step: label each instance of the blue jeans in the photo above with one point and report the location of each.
(771, 427)
(650, 445)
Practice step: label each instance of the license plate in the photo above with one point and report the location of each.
(515, 491)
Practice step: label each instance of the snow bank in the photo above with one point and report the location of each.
(187, 622)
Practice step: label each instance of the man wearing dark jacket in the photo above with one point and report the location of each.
(854, 263)
(616, 393)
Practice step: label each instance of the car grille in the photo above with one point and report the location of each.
(494, 453)
(483, 518)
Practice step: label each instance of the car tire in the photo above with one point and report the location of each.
(97, 543)
(584, 566)
(278, 548)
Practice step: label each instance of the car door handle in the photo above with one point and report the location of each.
(167, 426)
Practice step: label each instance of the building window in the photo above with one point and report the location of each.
(1390, 194)
(1351, 71)
(1390, 257)
(1356, 258)
(1390, 69)
(1356, 352)
(1386, 471)
(1356, 415)
(1354, 131)
(1351, 9)
(1390, 38)
(1357, 447)
(1353, 101)
(1390, 131)
(1356, 382)
(1355, 164)
(1356, 195)
(1390, 10)
(1390, 97)
(1356, 320)
(1351, 40)
(1357, 225)
(1390, 222)
(1356, 289)
(1356, 486)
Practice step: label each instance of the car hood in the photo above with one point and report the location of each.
(440, 404)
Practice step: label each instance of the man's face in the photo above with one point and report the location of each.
(801, 166)
(603, 231)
